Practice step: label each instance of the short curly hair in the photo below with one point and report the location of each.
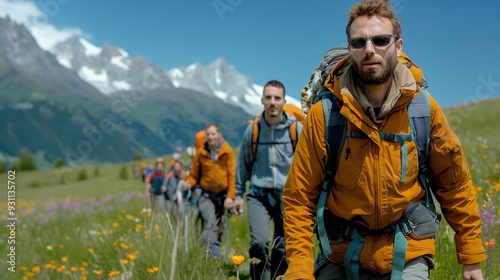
(370, 8)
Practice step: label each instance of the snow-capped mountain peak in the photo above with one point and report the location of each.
(221, 80)
(89, 49)
(108, 68)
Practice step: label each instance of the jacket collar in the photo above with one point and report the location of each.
(286, 121)
(403, 89)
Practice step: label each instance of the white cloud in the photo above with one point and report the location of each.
(36, 19)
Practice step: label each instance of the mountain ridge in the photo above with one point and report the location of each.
(57, 114)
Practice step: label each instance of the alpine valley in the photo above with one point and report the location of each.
(87, 104)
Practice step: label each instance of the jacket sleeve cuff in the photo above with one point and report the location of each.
(299, 272)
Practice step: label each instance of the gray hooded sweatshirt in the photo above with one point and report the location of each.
(269, 169)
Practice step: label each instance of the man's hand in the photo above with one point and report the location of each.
(472, 272)
(238, 206)
(228, 203)
(163, 188)
(184, 186)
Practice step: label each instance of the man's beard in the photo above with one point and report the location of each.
(375, 76)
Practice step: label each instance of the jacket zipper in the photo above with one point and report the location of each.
(377, 189)
(273, 152)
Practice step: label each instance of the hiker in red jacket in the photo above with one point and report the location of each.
(154, 190)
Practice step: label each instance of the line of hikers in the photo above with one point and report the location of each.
(362, 174)
(215, 182)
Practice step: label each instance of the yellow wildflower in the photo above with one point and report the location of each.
(64, 259)
(131, 256)
(98, 272)
(491, 193)
(151, 270)
(48, 266)
(90, 250)
(115, 224)
(238, 260)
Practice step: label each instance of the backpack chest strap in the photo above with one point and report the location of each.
(401, 139)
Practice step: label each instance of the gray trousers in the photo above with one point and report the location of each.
(260, 213)
(212, 213)
(416, 269)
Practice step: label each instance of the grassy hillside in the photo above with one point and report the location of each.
(478, 127)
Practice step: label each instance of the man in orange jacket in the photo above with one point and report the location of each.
(367, 190)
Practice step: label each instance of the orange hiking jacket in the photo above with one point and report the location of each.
(367, 187)
(214, 176)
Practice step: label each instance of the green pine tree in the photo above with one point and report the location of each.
(137, 156)
(26, 161)
(123, 173)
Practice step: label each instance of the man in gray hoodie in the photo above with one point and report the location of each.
(265, 164)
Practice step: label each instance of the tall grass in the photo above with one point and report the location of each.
(112, 237)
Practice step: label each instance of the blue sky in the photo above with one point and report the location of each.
(456, 44)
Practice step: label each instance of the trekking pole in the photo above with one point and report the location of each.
(186, 219)
(186, 222)
(228, 230)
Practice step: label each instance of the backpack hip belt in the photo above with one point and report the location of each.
(273, 195)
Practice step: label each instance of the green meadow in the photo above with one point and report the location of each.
(92, 222)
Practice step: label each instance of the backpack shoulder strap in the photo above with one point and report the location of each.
(169, 175)
(293, 134)
(419, 113)
(255, 135)
(335, 128)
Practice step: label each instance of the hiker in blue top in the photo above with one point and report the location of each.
(175, 186)
(266, 168)
(154, 189)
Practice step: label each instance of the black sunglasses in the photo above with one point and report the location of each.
(381, 40)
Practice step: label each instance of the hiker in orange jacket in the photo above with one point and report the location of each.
(367, 193)
(214, 170)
